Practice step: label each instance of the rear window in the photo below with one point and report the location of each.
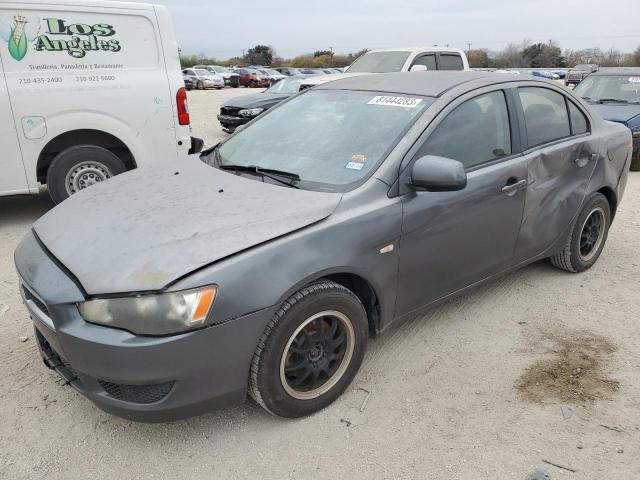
(380, 62)
(545, 115)
(448, 61)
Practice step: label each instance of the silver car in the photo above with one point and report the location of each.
(203, 78)
(264, 266)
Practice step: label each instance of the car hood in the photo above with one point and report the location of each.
(256, 100)
(616, 112)
(142, 230)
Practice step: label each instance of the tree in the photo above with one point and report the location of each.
(259, 55)
(543, 55)
(479, 58)
(319, 53)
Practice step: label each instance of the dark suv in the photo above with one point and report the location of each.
(579, 72)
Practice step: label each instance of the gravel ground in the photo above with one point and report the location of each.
(442, 390)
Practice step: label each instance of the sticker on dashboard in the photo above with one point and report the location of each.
(634, 79)
(404, 102)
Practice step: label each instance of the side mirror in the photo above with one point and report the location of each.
(437, 174)
(418, 68)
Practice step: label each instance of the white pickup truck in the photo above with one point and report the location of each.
(398, 60)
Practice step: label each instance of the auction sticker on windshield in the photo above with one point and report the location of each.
(405, 102)
(634, 79)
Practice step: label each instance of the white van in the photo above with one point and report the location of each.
(88, 90)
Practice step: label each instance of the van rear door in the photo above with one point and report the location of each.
(13, 179)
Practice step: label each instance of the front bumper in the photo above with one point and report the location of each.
(150, 379)
(229, 123)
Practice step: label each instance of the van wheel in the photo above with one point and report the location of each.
(80, 167)
(635, 162)
(310, 351)
(587, 237)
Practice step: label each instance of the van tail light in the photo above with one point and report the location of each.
(183, 107)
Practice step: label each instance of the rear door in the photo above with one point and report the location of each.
(13, 178)
(561, 157)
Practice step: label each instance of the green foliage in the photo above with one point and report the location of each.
(259, 55)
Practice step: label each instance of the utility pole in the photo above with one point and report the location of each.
(468, 47)
(331, 57)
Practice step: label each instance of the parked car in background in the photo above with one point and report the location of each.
(231, 78)
(204, 78)
(398, 60)
(273, 74)
(250, 77)
(615, 95)
(265, 266)
(94, 112)
(579, 72)
(545, 74)
(289, 71)
(562, 74)
(241, 110)
(189, 81)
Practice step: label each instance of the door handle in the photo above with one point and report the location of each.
(511, 188)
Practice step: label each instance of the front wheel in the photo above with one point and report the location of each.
(200, 86)
(79, 167)
(310, 351)
(587, 237)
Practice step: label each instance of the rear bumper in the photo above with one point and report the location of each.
(149, 379)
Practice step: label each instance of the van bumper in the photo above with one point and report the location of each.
(196, 145)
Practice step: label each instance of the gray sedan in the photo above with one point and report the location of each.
(264, 266)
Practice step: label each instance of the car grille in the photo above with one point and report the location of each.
(54, 361)
(231, 111)
(143, 394)
(30, 296)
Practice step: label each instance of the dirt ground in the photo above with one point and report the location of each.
(437, 397)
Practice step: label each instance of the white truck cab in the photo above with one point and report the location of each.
(391, 60)
(88, 90)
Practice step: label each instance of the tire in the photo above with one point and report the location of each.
(200, 86)
(307, 313)
(235, 86)
(635, 162)
(582, 251)
(79, 167)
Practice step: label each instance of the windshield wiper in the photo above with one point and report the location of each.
(277, 175)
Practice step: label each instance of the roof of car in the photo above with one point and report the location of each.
(618, 71)
(428, 84)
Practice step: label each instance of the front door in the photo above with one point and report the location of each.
(13, 178)
(451, 240)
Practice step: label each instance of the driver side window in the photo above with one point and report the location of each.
(475, 132)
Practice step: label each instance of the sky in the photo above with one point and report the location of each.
(223, 29)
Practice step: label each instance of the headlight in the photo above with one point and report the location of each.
(635, 131)
(251, 112)
(161, 314)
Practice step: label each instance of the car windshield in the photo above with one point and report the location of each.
(329, 138)
(222, 69)
(272, 71)
(200, 71)
(598, 88)
(586, 68)
(286, 85)
(380, 62)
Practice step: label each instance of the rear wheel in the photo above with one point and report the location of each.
(200, 86)
(310, 351)
(587, 237)
(79, 167)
